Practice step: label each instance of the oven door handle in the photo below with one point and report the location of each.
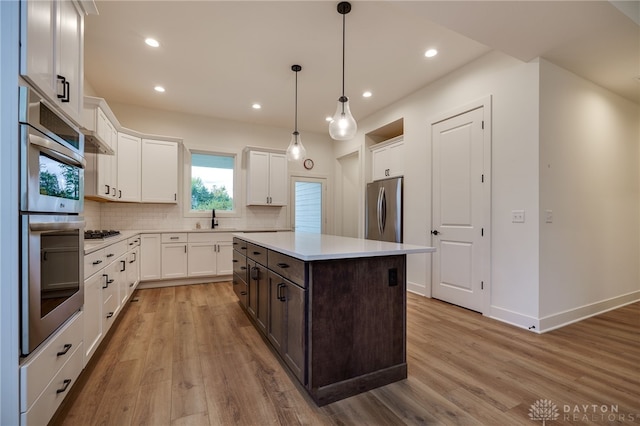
(44, 223)
(57, 151)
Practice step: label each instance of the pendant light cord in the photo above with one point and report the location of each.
(296, 103)
(343, 48)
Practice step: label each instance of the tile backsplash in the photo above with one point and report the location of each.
(133, 216)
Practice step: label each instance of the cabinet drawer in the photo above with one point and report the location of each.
(133, 242)
(114, 251)
(257, 253)
(240, 265)
(93, 262)
(36, 373)
(175, 238)
(288, 267)
(240, 245)
(202, 237)
(54, 393)
(241, 289)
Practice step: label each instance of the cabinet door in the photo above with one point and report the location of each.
(202, 259)
(128, 168)
(276, 318)
(278, 179)
(133, 270)
(159, 171)
(110, 300)
(38, 23)
(224, 258)
(69, 56)
(379, 163)
(294, 353)
(92, 316)
(262, 303)
(150, 255)
(123, 282)
(258, 178)
(252, 304)
(174, 260)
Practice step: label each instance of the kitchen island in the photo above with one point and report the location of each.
(333, 308)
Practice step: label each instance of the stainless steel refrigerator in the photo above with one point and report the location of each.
(384, 210)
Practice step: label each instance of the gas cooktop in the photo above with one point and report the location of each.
(91, 234)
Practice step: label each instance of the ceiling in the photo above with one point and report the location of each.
(218, 58)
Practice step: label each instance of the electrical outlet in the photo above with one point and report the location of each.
(393, 277)
(517, 216)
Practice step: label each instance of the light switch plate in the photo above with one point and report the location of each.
(548, 216)
(517, 216)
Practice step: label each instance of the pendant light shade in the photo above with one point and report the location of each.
(295, 150)
(343, 126)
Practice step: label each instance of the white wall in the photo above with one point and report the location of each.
(513, 86)
(206, 133)
(589, 156)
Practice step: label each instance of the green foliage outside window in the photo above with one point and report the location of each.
(204, 199)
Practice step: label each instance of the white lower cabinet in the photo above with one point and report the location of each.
(93, 318)
(150, 257)
(210, 253)
(202, 259)
(48, 374)
(224, 256)
(174, 255)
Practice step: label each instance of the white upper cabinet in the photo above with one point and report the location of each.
(266, 178)
(99, 126)
(129, 151)
(387, 159)
(51, 55)
(159, 171)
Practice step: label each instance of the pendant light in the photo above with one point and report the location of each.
(295, 150)
(343, 126)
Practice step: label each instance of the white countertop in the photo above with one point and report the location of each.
(309, 247)
(93, 245)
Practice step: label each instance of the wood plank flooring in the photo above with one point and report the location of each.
(189, 356)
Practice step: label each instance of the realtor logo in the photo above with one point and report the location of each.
(543, 410)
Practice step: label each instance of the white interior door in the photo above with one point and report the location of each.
(458, 200)
(308, 205)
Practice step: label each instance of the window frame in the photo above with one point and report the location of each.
(188, 212)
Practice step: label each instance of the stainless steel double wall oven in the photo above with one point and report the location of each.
(51, 225)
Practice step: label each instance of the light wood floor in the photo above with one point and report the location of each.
(189, 356)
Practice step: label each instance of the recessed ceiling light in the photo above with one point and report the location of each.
(366, 94)
(256, 106)
(152, 42)
(328, 118)
(159, 89)
(430, 53)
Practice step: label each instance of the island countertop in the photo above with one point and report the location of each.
(310, 247)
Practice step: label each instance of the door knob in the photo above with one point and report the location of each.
(435, 232)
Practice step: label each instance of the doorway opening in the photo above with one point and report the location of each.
(308, 206)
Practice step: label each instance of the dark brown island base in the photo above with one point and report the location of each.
(333, 308)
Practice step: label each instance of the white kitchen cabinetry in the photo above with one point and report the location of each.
(159, 171)
(150, 257)
(128, 181)
(133, 265)
(48, 374)
(210, 254)
(174, 255)
(52, 47)
(101, 172)
(98, 126)
(387, 159)
(266, 178)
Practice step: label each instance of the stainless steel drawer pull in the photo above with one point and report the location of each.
(65, 349)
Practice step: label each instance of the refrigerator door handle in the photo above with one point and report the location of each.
(382, 210)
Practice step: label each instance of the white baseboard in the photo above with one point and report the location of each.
(515, 318)
(420, 289)
(183, 281)
(551, 322)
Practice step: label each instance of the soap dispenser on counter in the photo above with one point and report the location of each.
(214, 221)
